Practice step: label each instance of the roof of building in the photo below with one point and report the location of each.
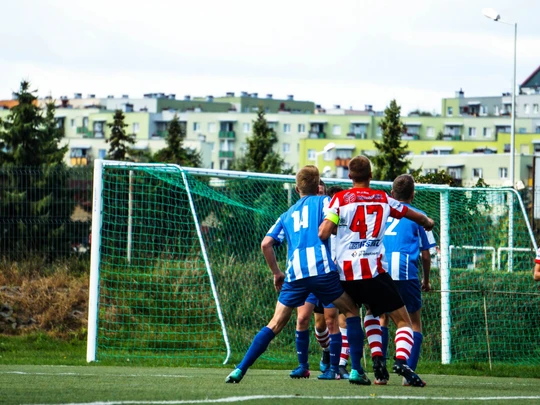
(533, 80)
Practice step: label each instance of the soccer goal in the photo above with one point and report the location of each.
(178, 278)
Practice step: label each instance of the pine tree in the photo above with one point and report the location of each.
(36, 205)
(119, 140)
(391, 160)
(260, 156)
(175, 152)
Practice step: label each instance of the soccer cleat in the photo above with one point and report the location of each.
(358, 378)
(380, 371)
(235, 377)
(343, 373)
(329, 375)
(401, 368)
(324, 365)
(405, 383)
(300, 372)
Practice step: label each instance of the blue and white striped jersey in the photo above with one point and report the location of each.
(308, 256)
(403, 240)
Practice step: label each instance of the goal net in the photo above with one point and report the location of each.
(178, 277)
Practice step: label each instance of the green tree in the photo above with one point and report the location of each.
(119, 140)
(441, 177)
(36, 204)
(390, 160)
(260, 156)
(175, 152)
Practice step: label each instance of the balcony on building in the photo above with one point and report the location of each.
(85, 132)
(80, 155)
(161, 129)
(316, 129)
(504, 128)
(455, 171)
(358, 130)
(473, 109)
(411, 131)
(226, 154)
(484, 150)
(453, 131)
(226, 129)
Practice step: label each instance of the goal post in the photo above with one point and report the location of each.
(178, 278)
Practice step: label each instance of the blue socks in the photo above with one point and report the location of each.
(335, 351)
(415, 351)
(302, 347)
(258, 347)
(355, 335)
(384, 341)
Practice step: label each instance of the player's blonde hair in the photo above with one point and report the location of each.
(359, 169)
(307, 180)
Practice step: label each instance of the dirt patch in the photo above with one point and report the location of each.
(55, 303)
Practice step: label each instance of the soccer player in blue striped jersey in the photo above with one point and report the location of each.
(310, 269)
(404, 241)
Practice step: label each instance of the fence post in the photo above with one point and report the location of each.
(446, 321)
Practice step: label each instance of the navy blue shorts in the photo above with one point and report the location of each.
(411, 294)
(319, 306)
(326, 287)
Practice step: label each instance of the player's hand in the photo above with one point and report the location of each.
(279, 279)
(430, 225)
(426, 286)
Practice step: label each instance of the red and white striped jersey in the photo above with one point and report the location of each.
(361, 215)
(537, 259)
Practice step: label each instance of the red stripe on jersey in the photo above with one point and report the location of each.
(366, 270)
(398, 214)
(347, 270)
(380, 268)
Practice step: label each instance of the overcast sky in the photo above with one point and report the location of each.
(347, 52)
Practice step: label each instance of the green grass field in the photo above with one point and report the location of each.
(31, 384)
(37, 369)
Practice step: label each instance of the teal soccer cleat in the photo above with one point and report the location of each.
(235, 377)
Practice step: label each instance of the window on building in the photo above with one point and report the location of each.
(311, 154)
(503, 172)
(246, 127)
(477, 173)
(72, 123)
(196, 126)
(430, 132)
(472, 131)
(286, 148)
(102, 153)
(483, 110)
(535, 108)
(486, 132)
(379, 131)
(428, 171)
(526, 108)
(449, 111)
(211, 127)
(272, 125)
(497, 110)
(286, 128)
(336, 129)
(85, 122)
(301, 128)
(136, 127)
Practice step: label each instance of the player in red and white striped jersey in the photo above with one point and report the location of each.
(358, 217)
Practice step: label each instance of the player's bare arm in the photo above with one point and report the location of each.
(267, 247)
(426, 266)
(326, 229)
(420, 219)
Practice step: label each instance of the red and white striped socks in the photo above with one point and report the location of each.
(374, 334)
(344, 355)
(404, 343)
(323, 338)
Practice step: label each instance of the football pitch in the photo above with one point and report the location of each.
(142, 385)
